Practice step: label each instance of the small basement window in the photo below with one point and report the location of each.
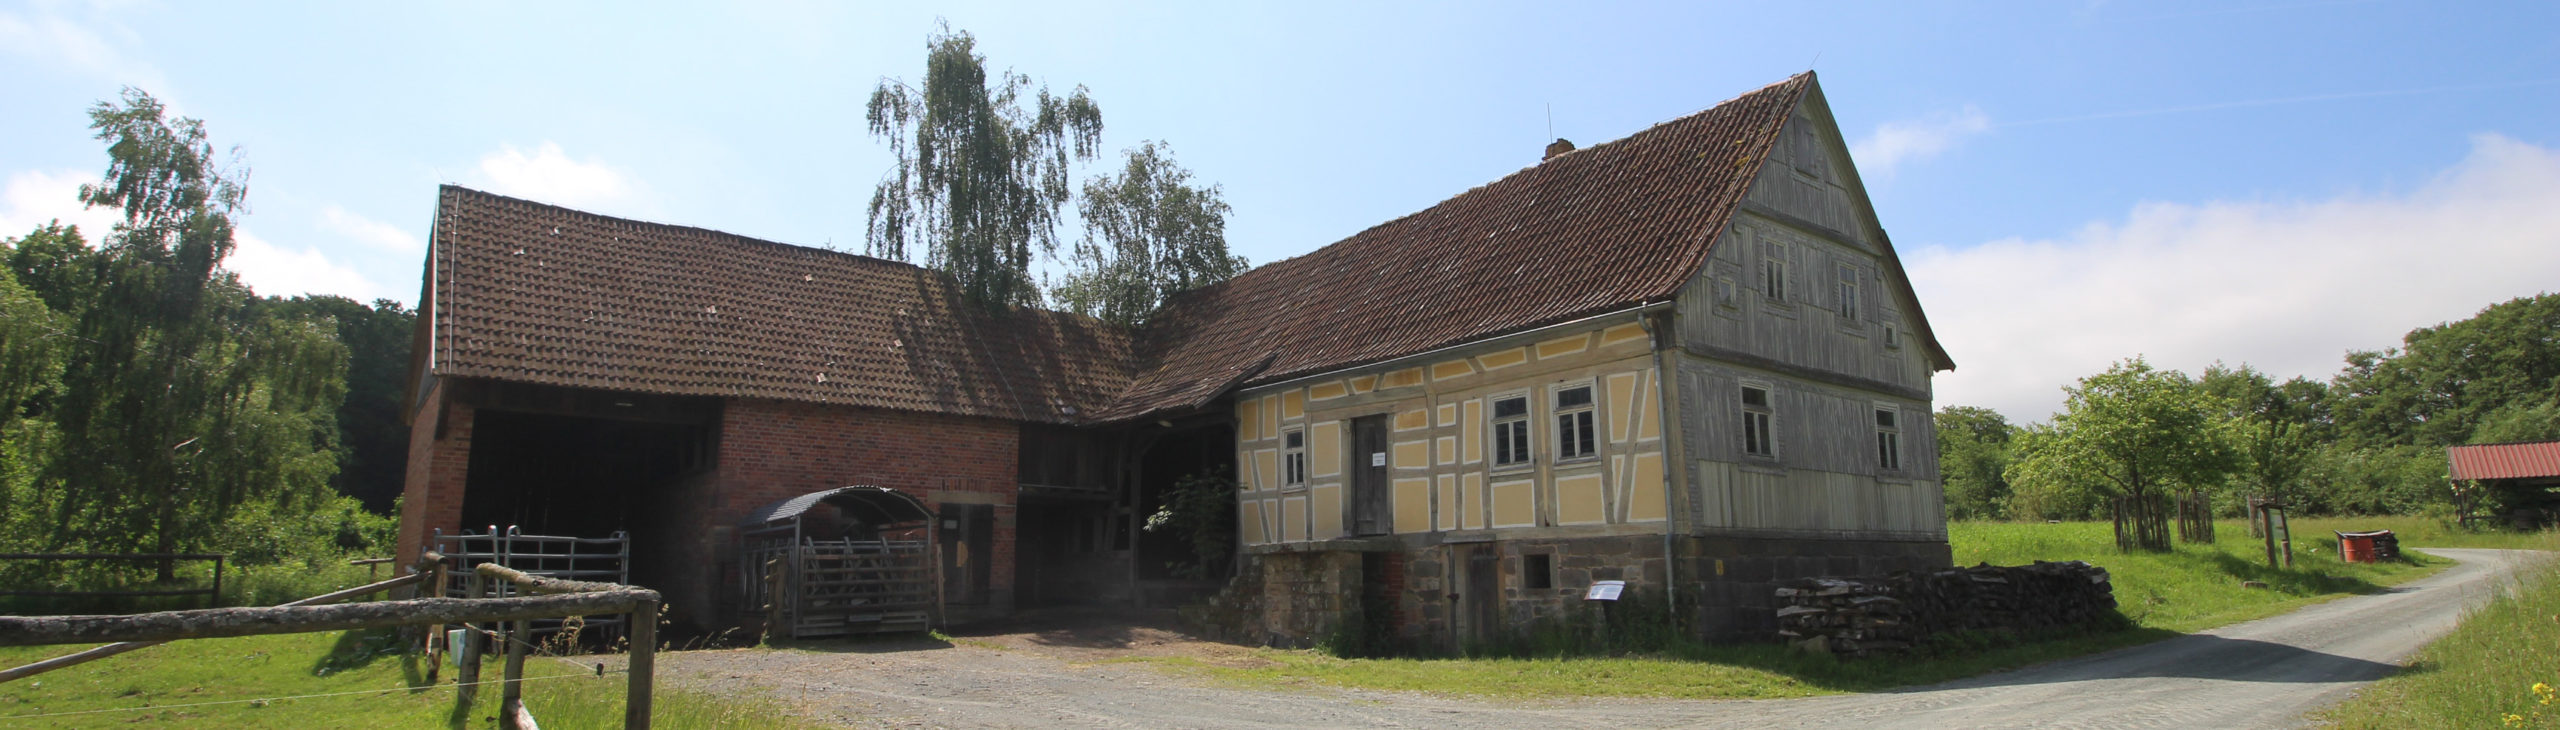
(1537, 571)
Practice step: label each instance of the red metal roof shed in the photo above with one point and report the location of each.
(2505, 461)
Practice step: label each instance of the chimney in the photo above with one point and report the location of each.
(1560, 146)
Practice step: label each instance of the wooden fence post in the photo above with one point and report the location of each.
(511, 696)
(644, 662)
(469, 655)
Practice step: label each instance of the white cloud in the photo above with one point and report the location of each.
(1912, 140)
(33, 198)
(2286, 286)
(550, 176)
(272, 270)
(372, 233)
(89, 45)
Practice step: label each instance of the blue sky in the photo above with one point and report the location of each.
(2071, 183)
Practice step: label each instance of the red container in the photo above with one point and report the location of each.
(2356, 548)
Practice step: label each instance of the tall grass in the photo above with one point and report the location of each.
(2483, 674)
(2197, 586)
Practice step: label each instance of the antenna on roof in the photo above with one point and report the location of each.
(1551, 119)
(1817, 60)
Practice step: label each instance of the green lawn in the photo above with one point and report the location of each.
(349, 679)
(2191, 588)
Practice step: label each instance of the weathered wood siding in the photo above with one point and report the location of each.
(1830, 360)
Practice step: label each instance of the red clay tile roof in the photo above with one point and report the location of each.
(535, 293)
(2505, 461)
(1588, 232)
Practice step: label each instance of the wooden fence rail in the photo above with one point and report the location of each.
(551, 598)
(212, 595)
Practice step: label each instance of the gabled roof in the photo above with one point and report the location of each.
(1591, 231)
(534, 293)
(2505, 461)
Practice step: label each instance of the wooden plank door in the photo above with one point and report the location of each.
(1479, 598)
(1369, 501)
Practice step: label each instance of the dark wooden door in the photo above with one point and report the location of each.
(1369, 499)
(1479, 598)
(968, 551)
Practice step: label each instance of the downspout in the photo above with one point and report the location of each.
(1673, 463)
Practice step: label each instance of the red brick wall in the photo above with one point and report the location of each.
(773, 450)
(432, 496)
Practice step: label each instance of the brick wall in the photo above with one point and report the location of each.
(773, 450)
(431, 497)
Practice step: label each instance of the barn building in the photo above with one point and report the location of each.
(1684, 359)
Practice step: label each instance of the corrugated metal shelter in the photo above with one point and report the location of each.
(2521, 480)
(850, 560)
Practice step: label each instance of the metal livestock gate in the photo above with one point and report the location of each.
(853, 560)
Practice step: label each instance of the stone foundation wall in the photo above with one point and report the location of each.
(1729, 582)
(1735, 579)
(1305, 595)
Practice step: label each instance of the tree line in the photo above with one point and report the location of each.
(150, 402)
(2369, 440)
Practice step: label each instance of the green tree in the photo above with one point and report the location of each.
(1149, 234)
(176, 405)
(2447, 380)
(1973, 453)
(981, 171)
(2133, 433)
(375, 438)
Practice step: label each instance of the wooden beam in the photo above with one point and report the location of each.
(119, 648)
(225, 622)
(538, 584)
(643, 666)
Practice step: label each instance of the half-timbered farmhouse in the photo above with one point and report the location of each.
(1686, 360)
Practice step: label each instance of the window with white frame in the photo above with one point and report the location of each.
(1848, 298)
(1888, 439)
(1757, 416)
(1773, 272)
(1293, 458)
(1511, 430)
(1574, 411)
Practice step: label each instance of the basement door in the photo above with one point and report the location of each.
(1369, 499)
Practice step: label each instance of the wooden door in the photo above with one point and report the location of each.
(1480, 596)
(968, 551)
(1369, 499)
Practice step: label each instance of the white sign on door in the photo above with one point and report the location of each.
(1377, 458)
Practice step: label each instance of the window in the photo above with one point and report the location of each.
(1293, 458)
(1573, 424)
(1888, 439)
(1892, 336)
(1724, 293)
(1537, 571)
(1511, 431)
(1773, 273)
(1848, 299)
(1757, 440)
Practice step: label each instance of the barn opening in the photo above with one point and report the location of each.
(550, 461)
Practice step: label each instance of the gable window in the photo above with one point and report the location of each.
(1848, 298)
(1293, 458)
(1773, 273)
(1574, 439)
(1757, 438)
(1888, 439)
(1511, 431)
(1892, 336)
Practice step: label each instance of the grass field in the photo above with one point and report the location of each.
(2497, 670)
(349, 679)
(2191, 588)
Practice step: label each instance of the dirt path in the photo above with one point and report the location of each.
(2264, 673)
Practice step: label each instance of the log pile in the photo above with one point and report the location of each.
(1860, 616)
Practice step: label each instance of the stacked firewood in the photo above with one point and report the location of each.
(1890, 614)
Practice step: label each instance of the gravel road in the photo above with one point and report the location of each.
(2264, 673)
